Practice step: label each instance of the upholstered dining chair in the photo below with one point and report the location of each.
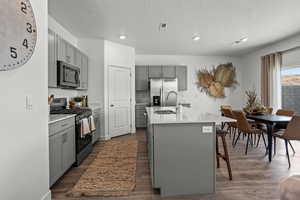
(292, 132)
(284, 112)
(245, 127)
(277, 127)
(231, 126)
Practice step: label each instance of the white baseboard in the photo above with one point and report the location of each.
(105, 138)
(47, 196)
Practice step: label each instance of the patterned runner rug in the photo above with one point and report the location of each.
(112, 173)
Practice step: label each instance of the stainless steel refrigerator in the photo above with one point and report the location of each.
(163, 92)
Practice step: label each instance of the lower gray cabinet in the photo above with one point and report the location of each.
(61, 149)
(140, 120)
(68, 148)
(55, 158)
(97, 133)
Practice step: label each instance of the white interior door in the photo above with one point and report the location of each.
(119, 101)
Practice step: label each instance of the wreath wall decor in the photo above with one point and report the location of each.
(215, 81)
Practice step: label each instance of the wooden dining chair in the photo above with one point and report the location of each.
(263, 126)
(284, 112)
(245, 127)
(292, 132)
(225, 156)
(277, 127)
(231, 126)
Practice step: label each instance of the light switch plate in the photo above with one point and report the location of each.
(29, 102)
(207, 129)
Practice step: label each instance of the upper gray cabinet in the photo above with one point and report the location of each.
(78, 57)
(143, 73)
(52, 57)
(169, 71)
(181, 74)
(155, 71)
(70, 54)
(141, 78)
(65, 51)
(84, 72)
(60, 50)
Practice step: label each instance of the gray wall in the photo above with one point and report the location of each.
(291, 98)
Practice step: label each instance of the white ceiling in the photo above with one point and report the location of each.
(218, 22)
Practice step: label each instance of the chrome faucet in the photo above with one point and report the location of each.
(174, 92)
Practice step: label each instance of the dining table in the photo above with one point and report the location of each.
(270, 120)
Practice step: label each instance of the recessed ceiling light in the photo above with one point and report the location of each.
(245, 39)
(122, 37)
(196, 37)
(242, 40)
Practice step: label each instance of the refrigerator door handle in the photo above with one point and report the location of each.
(161, 97)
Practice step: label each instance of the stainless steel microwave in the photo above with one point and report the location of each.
(67, 75)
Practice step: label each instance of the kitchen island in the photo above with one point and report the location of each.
(181, 147)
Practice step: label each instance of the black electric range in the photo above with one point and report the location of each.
(83, 144)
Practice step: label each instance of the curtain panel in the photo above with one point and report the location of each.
(271, 80)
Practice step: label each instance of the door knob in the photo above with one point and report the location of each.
(111, 105)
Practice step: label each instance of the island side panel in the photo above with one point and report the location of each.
(184, 158)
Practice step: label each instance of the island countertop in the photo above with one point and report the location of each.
(185, 115)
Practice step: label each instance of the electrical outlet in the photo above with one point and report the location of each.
(207, 129)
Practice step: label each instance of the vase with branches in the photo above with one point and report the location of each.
(253, 105)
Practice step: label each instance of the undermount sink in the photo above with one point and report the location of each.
(164, 112)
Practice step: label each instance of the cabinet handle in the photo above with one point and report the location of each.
(112, 105)
(63, 125)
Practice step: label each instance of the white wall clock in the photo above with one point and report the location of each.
(18, 33)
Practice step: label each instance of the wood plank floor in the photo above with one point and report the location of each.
(253, 176)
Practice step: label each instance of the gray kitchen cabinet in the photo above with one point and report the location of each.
(181, 74)
(141, 78)
(65, 51)
(97, 133)
(192, 153)
(150, 143)
(52, 69)
(84, 72)
(61, 148)
(155, 71)
(61, 49)
(70, 54)
(140, 120)
(78, 58)
(55, 158)
(68, 148)
(169, 71)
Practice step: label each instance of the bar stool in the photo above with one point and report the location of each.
(222, 134)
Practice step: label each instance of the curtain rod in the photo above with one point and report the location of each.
(291, 49)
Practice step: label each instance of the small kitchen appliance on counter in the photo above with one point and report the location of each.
(83, 144)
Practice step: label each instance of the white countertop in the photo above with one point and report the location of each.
(58, 117)
(187, 115)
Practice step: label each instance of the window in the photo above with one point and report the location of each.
(290, 83)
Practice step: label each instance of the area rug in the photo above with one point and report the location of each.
(112, 173)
